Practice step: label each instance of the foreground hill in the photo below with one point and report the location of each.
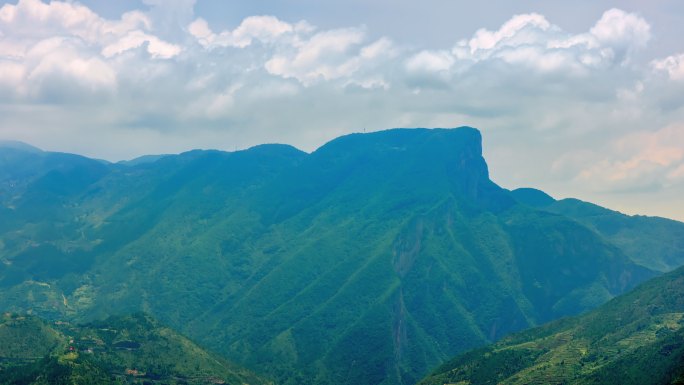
(637, 338)
(132, 349)
(369, 261)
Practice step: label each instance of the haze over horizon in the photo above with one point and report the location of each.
(584, 104)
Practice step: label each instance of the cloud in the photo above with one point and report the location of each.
(59, 60)
(519, 30)
(59, 51)
(640, 161)
(672, 65)
(265, 29)
(324, 56)
(298, 51)
(430, 61)
(622, 32)
(532, 42)
(35, 19)
(156, 47)
(169, 17)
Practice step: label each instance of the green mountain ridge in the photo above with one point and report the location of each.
(636, 338)
(369, 261)
(120, 350)
(653, 242)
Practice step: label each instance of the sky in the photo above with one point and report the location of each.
(581, 99)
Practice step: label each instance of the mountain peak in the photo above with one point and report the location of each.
(403, 138)
(532, 197)
(420, 159)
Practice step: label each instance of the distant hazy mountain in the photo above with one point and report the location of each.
(16, 145)
(121, 350)
(142, 160)
(637, 338)
(28, 174)
(369, 261)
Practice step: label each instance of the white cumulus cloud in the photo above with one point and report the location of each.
(328, 55)
(672, 65)
(261, 28)
(622, 30)
(48, 47)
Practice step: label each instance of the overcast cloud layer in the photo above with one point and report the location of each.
(572, 113)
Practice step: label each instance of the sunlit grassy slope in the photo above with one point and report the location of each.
(637, 338)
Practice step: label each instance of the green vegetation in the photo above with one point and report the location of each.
(122, 350)
(369, 261)
(637, 338)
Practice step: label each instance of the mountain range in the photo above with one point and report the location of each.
(371, 260)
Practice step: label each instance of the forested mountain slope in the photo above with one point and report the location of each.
(371, 260)
(637, 338)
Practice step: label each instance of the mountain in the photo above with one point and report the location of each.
(130, 349)
(20, 146)
(371, 260)
(142, 160)
(533, 197)
(656, 243)
(637, 338)
(33, 178)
